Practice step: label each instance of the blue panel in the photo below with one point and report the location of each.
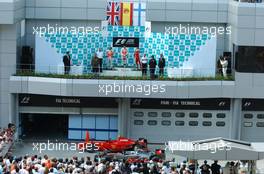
(113, 122)
(75, 134)
(75, 121)
(102, 135)
(92, 134)
(89, 122)
(113, 135)
(102, 122)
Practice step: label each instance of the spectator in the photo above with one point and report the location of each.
(215, 168)
(205, 168)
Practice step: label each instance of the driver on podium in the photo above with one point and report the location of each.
(124, 54)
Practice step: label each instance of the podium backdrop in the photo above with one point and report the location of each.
(197, 52)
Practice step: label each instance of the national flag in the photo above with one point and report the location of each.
(126, 14)
(113, 13)
(139, 14)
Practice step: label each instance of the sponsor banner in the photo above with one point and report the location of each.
(252, 105)
(125, 41)
(60, 101)
(185, 104)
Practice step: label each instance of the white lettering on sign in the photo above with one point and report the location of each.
(68, 101)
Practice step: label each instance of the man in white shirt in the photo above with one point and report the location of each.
(144, 61)
(224, 64)
(100, 55)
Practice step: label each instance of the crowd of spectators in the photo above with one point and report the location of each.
(250, 1)
(6, 138)
(46, 165)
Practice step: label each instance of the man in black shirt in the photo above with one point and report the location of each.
(205, 168)
(215, 168)
(67, 62)
(152, 67)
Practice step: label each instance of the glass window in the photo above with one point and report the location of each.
(249, 59)
(207, 123)
(260, 116)
(193, 123)
(138, 114)
(248, 124)
(152, 122)
(260, 124)
(166, 123)
(166, 114)
(193, 115)
(152, 114)
(207, 115)
(248, 116)
(179, 123)
(138, 122)
(220, 124)
(220, 115)
(180, 114)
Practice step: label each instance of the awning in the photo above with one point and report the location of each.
(217, 149)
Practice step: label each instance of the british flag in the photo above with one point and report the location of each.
(113, 13)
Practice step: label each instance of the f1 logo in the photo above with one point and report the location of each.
(25, 100)
(137, 102)
(222, 104)
(246, 104)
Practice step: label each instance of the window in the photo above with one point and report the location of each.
(207, 115)
(193, 115)
(260, 124)
(248, 116)
(180, 114)
(152, 114)
(138, 114)
(193, 123)
(166, 123)
(248, 124)
(152, 122)
(260, 116)
(207, 123)
(138, 122)
(220, 115)
(249, 59)
(220, 124)
(179, 123)
(166, 114)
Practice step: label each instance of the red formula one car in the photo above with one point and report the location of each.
(121, 144)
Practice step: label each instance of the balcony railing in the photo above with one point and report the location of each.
(123, 73)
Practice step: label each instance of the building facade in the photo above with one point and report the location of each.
(185, 110)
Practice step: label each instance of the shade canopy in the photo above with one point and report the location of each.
(217, 149)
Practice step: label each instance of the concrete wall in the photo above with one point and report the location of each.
(8, 56)
(157, 10)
